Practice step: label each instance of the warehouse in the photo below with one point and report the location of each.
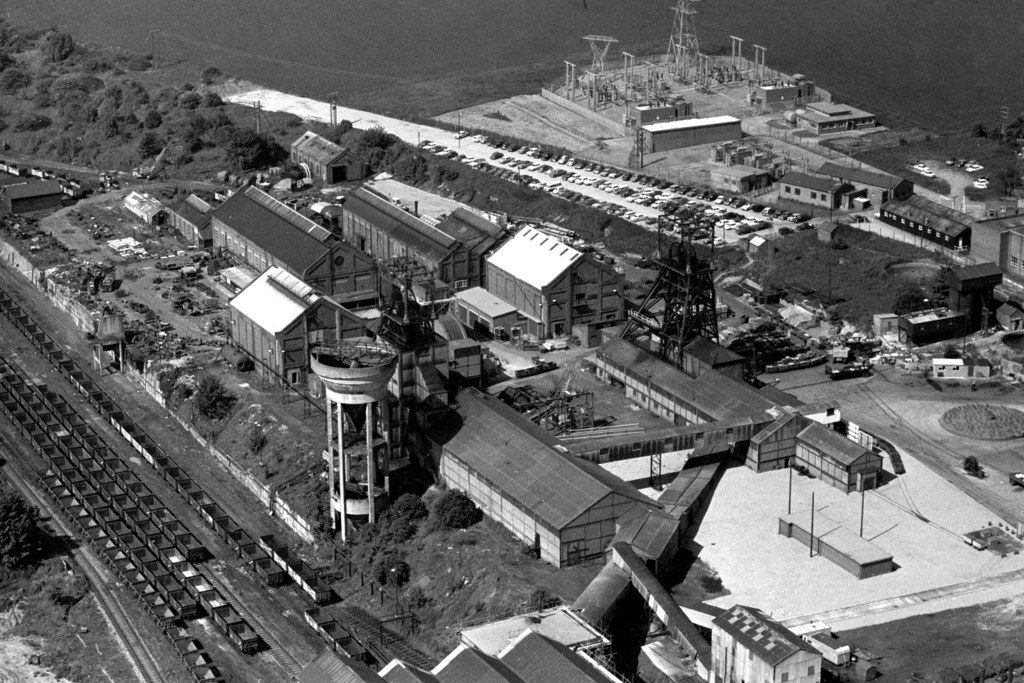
(875, 186)
(255, 229)
(813, 190)
(563, 507)
(929, 221)
(828, 117)
(553, 286)
(668, 135)
(748, 645)
(324, 160)
(190, 216)
(835, 542)
(33, 196)
(277, 319)
(451, 251)
(836, 460)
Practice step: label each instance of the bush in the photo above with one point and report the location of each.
(454, 510)
(210, 75)
(407, 507)
(59, 46)
(212, 398)
(190, 100)
(152, 119)
(31, 122)
(14, 79)
(20, 533)
(150, 144)
(391, 568)
(212, 99)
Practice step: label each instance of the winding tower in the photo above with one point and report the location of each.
(355, 373)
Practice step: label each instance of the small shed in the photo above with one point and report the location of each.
(1010, 318)
(827, 231)
(148, 210)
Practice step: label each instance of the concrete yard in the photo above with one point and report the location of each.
(739, 538)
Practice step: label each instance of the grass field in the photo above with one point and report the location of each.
(984, 421)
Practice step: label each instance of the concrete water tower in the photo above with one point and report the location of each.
(355, 374)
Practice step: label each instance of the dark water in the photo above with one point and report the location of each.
(942, 63)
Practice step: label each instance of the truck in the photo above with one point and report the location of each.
(1017, 479)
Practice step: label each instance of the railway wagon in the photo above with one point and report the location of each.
(270, 571)
(209, 511)
(225, 527)
(243, 637)
(182, 602)
(211, 600)
(207, 674)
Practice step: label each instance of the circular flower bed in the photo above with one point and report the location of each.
(984, 421)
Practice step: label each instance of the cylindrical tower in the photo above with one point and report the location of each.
(355, 374)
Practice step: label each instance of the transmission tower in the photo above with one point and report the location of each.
(599, 46)
(680, 305)
(683, 48)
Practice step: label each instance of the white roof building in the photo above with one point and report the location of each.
(683, 124)
(534, 257)
(143, 206)
(275, 300)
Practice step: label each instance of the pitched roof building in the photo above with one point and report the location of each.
(190, 216)
(930, 221)
(748, 645)
(327, 161)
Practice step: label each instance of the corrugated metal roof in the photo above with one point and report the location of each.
(688, 486)
(712, 353)
(476, 233)
(940, 218)
(978, 270)
(649, 532)
(485, 302)
(534, 257)
(318, 148)
(663, 126)
(519, 458)
(466, 665)
(401, 225)
(142, 205)
(537, 659)
(190, 211)
(274, 300)
(767, 639)
(42, 188)
(330, 667)
(288, 235)
(832, 444)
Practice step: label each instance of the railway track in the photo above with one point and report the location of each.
(132, 643)
(281, 655)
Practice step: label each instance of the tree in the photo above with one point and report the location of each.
(20, 533)
(152, 119)
(455, 510)
(59, 46)
(979, 130)
(150, 144)
(971, 466)
(249, 149)
(212, 99)
(210, 74)
(212, 399)
(190, 100)
(909, 298)
(14, 79)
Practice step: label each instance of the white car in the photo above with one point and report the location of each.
(462, 134)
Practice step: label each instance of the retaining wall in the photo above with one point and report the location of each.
(610, 125)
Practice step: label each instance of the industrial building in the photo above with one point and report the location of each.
(969, 367)
(190, 217)
(875, 187)
(148, 210)
(740, 179)
(278, 319)
(517, 473)
(479, 310)
(835, 542)
(257, 230)
(829, 117)
(929, 221)
(813, 190)
(747, 646)
(451, 251)
(1011, 254)
(928, 327)
(1010, 317)
(555, 287)
(644, 114)
(326, 161)
(836, 460)
(669, 135)
(972, 292)
(32, 196)
(782, 96)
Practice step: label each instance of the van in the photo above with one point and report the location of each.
(555, 345)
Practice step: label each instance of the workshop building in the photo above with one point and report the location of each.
(517, 473)
(278, 319)
(875, 186)
(1010, 317)
(748, 646)
(929, 221)
(326, 161)
(41, 195)
(554, 286)
(480, 311)
(668, 135)
(257, 230)
(740, 179)
(148, 210)
(813, 190)
(928, 327)
(829, 117)
(451, 251)
(190, 216)
(837, 460)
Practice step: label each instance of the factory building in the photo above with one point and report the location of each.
(553, 286)
(749, 646)
(326, 161)
(874, 187)
(829, 117)
(190, 216)
(971, 292)
(258, 231)
(929, 221)
(33, 196)
(668, 135)
(813, 190)
(278, 319)
(929, 327)
(452, 251)
(566, 508)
